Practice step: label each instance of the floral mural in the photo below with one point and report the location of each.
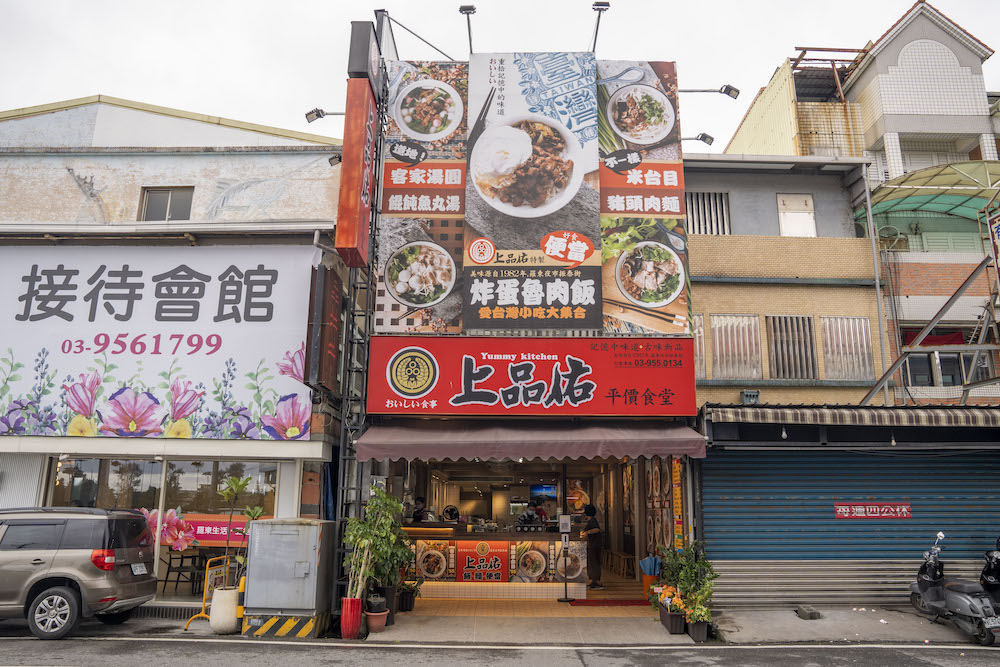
(97, 403)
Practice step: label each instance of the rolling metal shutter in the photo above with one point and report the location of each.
(770, 524)
(20, 479)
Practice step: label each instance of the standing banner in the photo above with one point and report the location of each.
(175, 342)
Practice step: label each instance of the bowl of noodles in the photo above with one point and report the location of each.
(531, 564)
(428, 110)
(650, 275)
(641, 114)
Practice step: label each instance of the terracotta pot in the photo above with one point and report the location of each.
(376, 620)
(698, 631)
(674, 623)
(350, 617)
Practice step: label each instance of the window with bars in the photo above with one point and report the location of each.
(735, 346)
(707, 212)
(698, 327)
(847, 348)
(791, 347)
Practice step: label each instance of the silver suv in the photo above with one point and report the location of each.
(58, 565)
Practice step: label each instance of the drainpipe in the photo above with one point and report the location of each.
(878, 280)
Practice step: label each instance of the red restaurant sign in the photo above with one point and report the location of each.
(872, 511)
(481, 561)
(449, 375)
(357, 174)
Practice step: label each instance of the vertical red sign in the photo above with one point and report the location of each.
(357, 174)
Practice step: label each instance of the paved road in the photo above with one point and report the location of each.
(131, 650)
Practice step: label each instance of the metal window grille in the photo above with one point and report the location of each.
(791, 347)
(847, 348)
(735, 346)
(707, 212)
(698, 324)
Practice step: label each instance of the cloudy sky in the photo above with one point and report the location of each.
(269, 61)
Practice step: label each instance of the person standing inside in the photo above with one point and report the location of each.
(592, 533)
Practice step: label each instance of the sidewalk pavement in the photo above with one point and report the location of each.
(839, 624)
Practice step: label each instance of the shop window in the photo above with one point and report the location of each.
(707, 212)
(791, 348)
(166, 204)
(698, 327)
(918, 368)
(107, 483)
(847, 348)
(194, 485)
(940, 369)
(25, 536)
(796, 216)
(735, 346)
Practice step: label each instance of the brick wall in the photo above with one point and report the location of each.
(937, 279)
(781, 257)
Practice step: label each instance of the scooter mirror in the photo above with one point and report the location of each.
(940, 535)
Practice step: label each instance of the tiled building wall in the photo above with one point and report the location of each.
(928, 79)
(781, 257)
(831, 130)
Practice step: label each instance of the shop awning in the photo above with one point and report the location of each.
(856, 416)
(455, 439)
(961, 189)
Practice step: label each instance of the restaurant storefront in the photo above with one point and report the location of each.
(531, 341)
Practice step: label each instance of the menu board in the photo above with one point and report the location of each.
(433, 560)
(532, 561)
(498, 561)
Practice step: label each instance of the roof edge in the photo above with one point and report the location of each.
(51, 107)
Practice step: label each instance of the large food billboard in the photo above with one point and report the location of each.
(532, 192)
(155, 342)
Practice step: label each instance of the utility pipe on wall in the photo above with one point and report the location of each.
(878, 281)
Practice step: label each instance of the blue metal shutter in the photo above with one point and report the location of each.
(764, 505)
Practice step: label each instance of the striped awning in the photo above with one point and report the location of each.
(856, 416)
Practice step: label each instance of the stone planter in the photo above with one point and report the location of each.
(222, 615)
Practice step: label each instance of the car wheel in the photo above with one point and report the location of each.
(54, 613)
(115, 619)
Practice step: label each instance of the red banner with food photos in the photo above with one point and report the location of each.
(446, 375)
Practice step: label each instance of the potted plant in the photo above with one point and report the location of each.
(672, 610)
(225, 600)
(379, 549)
(376, 613)
(409, 591)
(699, 615)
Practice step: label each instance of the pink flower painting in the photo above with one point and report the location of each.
(132, 415)
(290, 421)
(294, 364)
(183, 400)
(82, 396)
(175, 532)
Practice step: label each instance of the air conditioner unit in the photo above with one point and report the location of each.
(750, 396)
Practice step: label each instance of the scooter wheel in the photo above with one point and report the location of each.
(984, 636)
(917, 600)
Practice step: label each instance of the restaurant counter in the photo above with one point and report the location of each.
(445, 531)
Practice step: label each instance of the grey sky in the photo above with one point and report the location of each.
(269, 61)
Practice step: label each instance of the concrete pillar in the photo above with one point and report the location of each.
(893, 155)
(988, 146)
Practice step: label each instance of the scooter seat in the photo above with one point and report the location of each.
(963, 586)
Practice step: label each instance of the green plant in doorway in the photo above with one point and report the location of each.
(379, 545)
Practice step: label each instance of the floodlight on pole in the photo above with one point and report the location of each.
(727, 90)
(702, 137)
(600, 8)
(318, 113)
(468, 10)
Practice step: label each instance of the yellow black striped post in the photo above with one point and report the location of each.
(242, 598)
(287, 627)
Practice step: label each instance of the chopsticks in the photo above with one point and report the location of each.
(480, 125)
(679, 320)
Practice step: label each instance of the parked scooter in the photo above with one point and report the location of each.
(989, 578)
(964, 603)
